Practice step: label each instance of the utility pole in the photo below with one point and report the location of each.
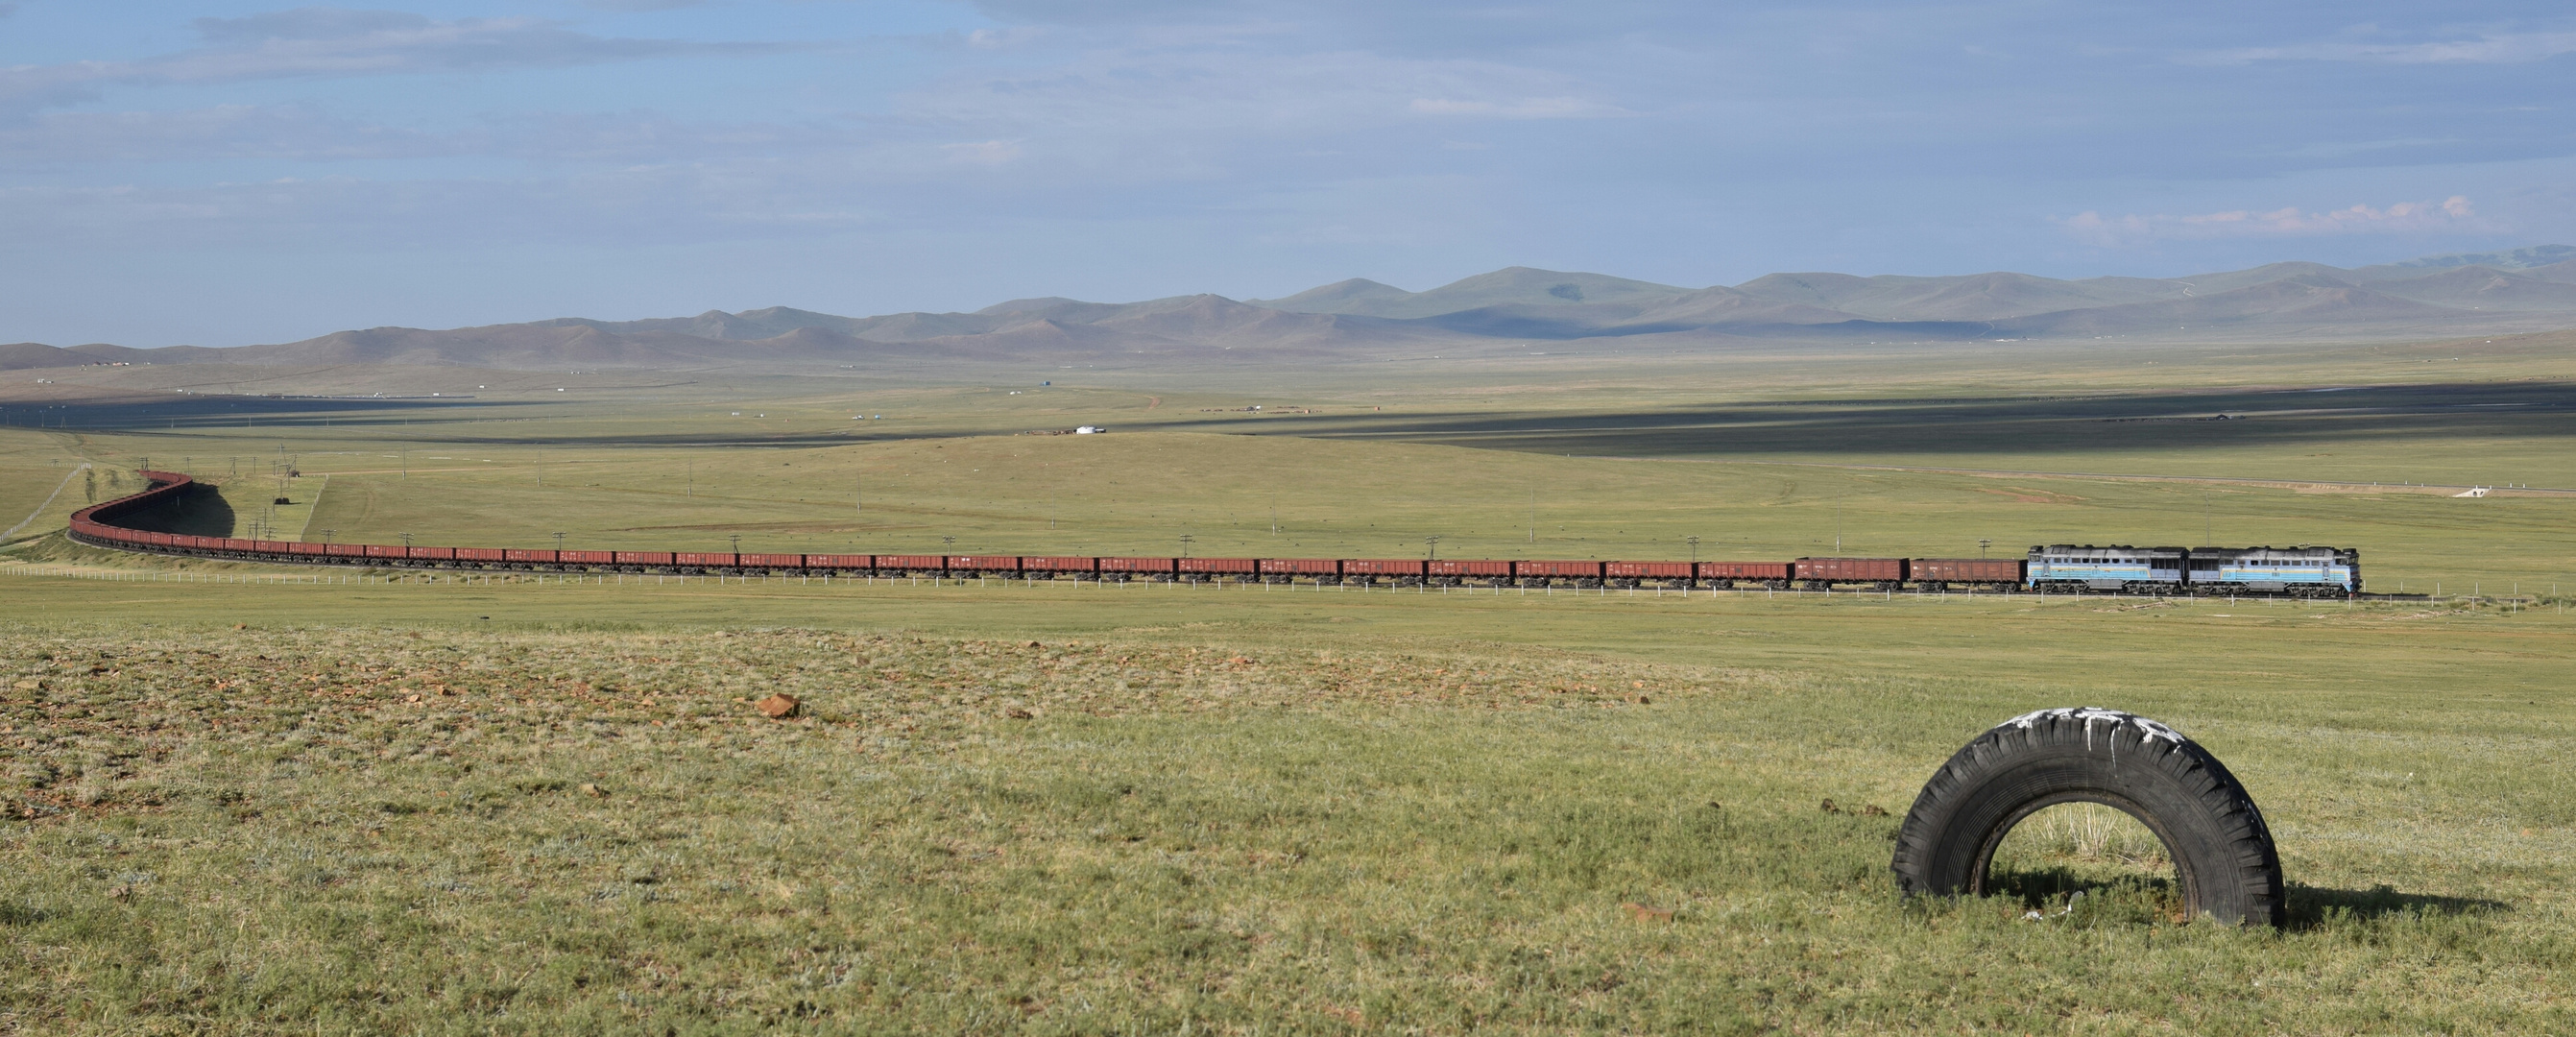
(1185, 544)
(406, 540)
(1838, 529)
(1694, 543)
(737, 542)
(1433, 544)
(1982, 544)
(1533, 514)
(559, 543)
(2206, 539)
(692, 490)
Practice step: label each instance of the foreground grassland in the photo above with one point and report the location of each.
(1092, 811)
(254, 807)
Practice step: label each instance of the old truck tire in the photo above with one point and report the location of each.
(2224, 861)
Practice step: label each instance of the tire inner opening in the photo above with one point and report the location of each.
(2121, 868)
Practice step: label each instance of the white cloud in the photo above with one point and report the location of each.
(983, 152)
(2492, 49)
(326, 42)
(2450, 214)
(1526, 108)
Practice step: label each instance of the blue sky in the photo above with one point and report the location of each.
(224, 172)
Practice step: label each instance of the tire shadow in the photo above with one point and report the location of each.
(2314, 906)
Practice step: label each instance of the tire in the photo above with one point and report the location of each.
(2224, 860)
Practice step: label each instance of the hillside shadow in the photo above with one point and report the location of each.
(2313, 906)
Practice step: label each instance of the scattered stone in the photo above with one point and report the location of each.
(1830, 808)
(1642, 913)
(1645, 701)
(27, 685)
(241, 626)
(593, 791)
(779, 706)
(1017, 713)
(1873, 810)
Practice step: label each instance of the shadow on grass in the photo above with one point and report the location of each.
(2313, 906)
(2041, 887)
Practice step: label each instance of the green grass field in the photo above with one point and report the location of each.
(540, 807)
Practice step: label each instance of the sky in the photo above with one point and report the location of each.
(222, 173)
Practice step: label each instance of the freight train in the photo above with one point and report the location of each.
(2055, 568)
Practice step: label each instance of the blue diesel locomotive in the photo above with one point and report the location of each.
(2121, 569)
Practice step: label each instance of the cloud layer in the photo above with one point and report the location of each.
(2449, 214)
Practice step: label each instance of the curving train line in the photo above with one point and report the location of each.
(2060, 568)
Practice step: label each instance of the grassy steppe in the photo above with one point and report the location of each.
(1259, 812)
(1255, 811)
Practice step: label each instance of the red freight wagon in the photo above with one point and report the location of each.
(1058, 564)
(586, 557)
(518, 554)
(1223, 566)
(1469, 567)
(345, 550)
(1138, 565)
(1965, 570)
(1744, 570)
(770, 561)
(1571, 570)
(718, 559)
(840, 561)
(911, 563)
(984, 563)
(1647, 570)
(1382, 566)
(230, 544)
(435, 554)
(301, 548)
(156, 539)
(386, 551)
(1302, 566)
(479, 554)
(643, 557)
(1851, 570)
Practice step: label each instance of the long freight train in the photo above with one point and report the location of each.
(2063, 568)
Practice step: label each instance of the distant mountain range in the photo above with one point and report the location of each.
(2530, 289)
